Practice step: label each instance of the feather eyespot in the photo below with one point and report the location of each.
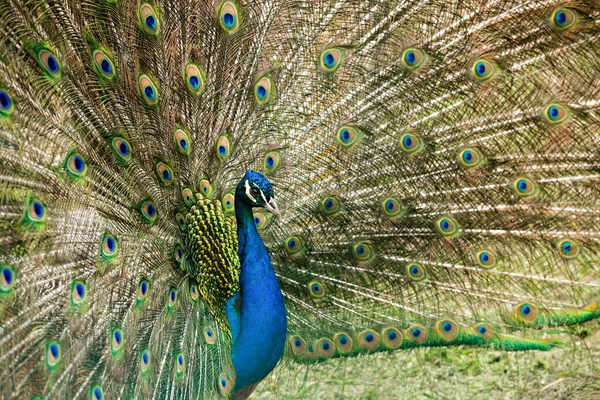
(343, 342)
(447, 226)
(526, 312)
(53, 354)
(116, 342)
(331, 205)
(172, 300)
(447, 329)
(149, 19)
(104, 65)
(486, 259)
(148, 211)
(347, 136)
(261, 221)
(109, 247)
(556, 114)
(75, 165)
(35, 212)
(178, 254)
(525, 187)
(484, 70)
(7, 279)
(96, 393)
(392, 207)
(325, 348)
(316, 289)
(363, 252)
(188, 197)
(272, 161)
(225, 384)
(143, 290)
(223, 147)
(413, 58)
(122, 149)
(568, 248)
(264, 89)
(415, 272)
(483, 330)
(144, 361)
(564, 19)
(194, 79)
(165, 173)
(470, 158)
(294, 245)
(182, 141)
(332, 58)
(194, 293)
(209, 336)
(179, 364)
(49, 62)
(369, 340)
(417, 333)
(229, 16)
(411, 143)
(205, 187)
(297, 345)
(7, 106)
(148, 90)
(392, 338)
(79, 293)
(228, 202)
(179, 218)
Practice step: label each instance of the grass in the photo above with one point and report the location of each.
(568, 372)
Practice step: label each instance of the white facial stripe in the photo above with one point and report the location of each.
(263, 196)
(247, 186)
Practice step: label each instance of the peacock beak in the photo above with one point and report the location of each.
(272, 207)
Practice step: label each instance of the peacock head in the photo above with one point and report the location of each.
(256, 191)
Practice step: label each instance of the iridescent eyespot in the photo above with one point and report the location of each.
(526, 312)
(330, 205)
(109, 247)
(316, 289)
(172, 299)
(564, 19)
(228, 202)
(149, 19)
(75, 165)
(205, 187)
(143, 290)
(413, 58)
(331, 59)
(415, 272)
(144, 361)
(49, 62)
(417, 333)
(96, 393)
(525, 187)
(347, 136)
(568, 248)
(484, 330)
(486, 259)
(179, 363)
(224, 385)
(264, 89)
(35, 212)
(470, 158)
(53, 354)
(194, 293)
(343, 342)
(180, 221)
(104, 65)
(148, 210)
(116, 341)
(272, 161)
(447, 226)
(7, 106)
(369, 340)
(182, 141)
(122, 149)
(79, 293)
(297, 345)
(188, 197)
(178, 254)
(556, 114)
(392, 338)
(325, 348)
(392, 207)
(363, 252)
(194, 79)
(7, 279)
(261, 221)
(148, 90)
(411, 143)
(165, 173)
(293, 245)
(223, 147)
(209, 335)
(229, 16)
(447, 329)
(484, 70)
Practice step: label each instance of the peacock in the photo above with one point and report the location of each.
(192, 191)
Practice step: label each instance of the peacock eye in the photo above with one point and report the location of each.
(254, 191)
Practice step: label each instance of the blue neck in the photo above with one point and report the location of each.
(258, 321)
